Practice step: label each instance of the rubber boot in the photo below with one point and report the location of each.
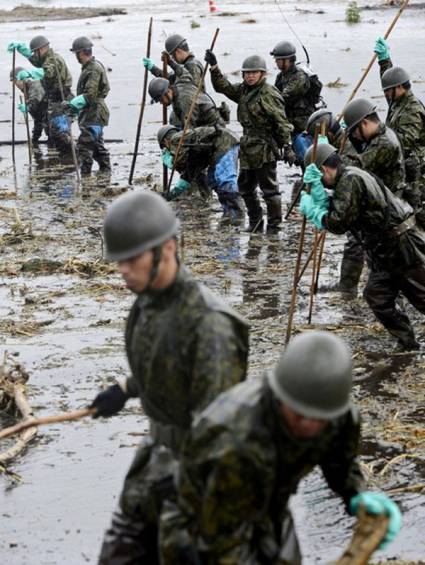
(350, 276)
(274, 213)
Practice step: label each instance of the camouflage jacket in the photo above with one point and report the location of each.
(368, 209)
(239, 467)
(36, 100)
(202, 147)
(383, 156)
(49, 63)
(294, 86)
(192, 65)
(338, 140)
(184, 347)
(94, 84)
(262, 116)
(205, 112)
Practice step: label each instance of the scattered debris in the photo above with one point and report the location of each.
(336, 84)
(27, 13)
(352, 13)
(194, 24)
(249, 21)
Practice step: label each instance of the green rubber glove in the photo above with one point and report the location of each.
(167, 159)
(343, 124)
(35, 74)
(22, 75)
(313, 212)
(181, 186)
(78, 103)
(322, 139)
(382, 49)
(23, 108)
(379, 503)
(312, 176)
(20, 48)
(148, 63)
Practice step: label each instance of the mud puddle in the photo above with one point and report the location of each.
(63, 311)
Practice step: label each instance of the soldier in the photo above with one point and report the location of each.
(248, 451)
(36, 102)
(184, 346)
(180, 95)
(300, 90)
(89, 104)
(266, 131)
(215, 148)
(335, 133)
(385, 226)
(56, 77)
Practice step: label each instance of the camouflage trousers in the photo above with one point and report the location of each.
(382, 290)
(352, 264)
(91, 147)
(133, 535)
(265, 178)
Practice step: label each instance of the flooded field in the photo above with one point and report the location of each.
(63, 317)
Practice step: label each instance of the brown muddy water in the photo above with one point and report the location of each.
(66, 326)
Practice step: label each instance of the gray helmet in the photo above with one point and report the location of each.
(80, 44)
(254, 63)
(356, 111)
(163, 132)
(283, 50)
(314, 376)
(136, 222)
(173, 42)
(318, 117)
(324, 151)
(157, 88)
(394, 77)
(38, 42)
(17, 71)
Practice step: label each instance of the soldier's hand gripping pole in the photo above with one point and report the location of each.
(73, 150)
(189, 114)
(370, 65)
(13, 103)
(164, 122)
(31, 422)
(300, 251)
(142, 105)
(27, 125)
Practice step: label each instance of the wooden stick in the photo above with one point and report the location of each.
(366, 72)
(13, 103)
(164, 122)
(27, 125)
(313, 275)
(309, 257)
(31, 422)
(299, 254)
(189, 114)
(142, 105)
(319, 261)
(294, 201)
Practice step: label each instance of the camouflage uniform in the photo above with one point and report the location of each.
(59, 125)
(191, 65)
(239, 467)
(217, 149)
(36, 102)
(294, 85)
(184, 347)
(265, 131)
(372, 212)
(94, 85)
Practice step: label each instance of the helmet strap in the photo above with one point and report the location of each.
(157, 251)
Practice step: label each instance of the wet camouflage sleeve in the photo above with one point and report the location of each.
(217, 363)
(52, 62)
(341, 467)
(271, 103)
(297, 86)
(91, 85)
(223, 85)
(384, 66)
(35, 95)
(345, 205)
(410, 126)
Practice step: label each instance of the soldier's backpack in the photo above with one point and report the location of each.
(314, 93)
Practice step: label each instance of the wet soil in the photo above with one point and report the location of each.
(63, 310)
(26, 13)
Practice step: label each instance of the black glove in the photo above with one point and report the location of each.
(65, 106)
(109, 401)
(289, 155)
(210, 58)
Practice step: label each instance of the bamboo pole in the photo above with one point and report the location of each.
(142, 105)
(164, 122)
(189, 114)
(27, 125)
(13, 103)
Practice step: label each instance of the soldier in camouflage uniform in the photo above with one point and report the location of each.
(206, 147)
(89, 104)
(184, 347)
(266, 131)
(384, 225)
(248, 451)
(335, 133)
(56, 76)
(180, 95)
(36, 101)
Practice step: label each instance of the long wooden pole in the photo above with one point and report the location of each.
(300, 250)
(142, 105)
(31, 422)
(189, 114)
(164, 122)
(27, 125)
(13, 103)
(370, 65)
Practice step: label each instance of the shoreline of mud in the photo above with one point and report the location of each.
(25, 13)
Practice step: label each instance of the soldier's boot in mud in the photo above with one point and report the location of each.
(409, 344)
(350, 276)
(102, 157)
(274, 213)
(235, 208)
(37, 130)
(255, 212)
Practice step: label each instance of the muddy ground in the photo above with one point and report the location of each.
(64, 319)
